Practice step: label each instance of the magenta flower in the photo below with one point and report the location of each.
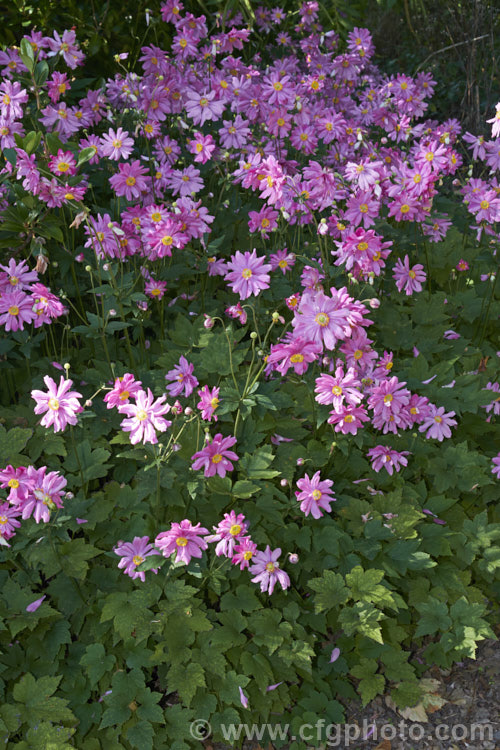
(16, 309)
(183, 538)
(68, 48)
(267, 570)
(45, 493)
(8, 520)
(387, 458)
(123, 389)
(237, 312)
(231, 529)
(130, 180)
(243, 552)
(145, 417)
(184, 380)
(411, 279)
(339, 388)
(60, 404)
(133, 554)
(314, 494)
(438, 423)
(348, 419)
(248, 274)
(209, 401)
(326, 320)
(215, 456)
(293, 352)
(17, 275)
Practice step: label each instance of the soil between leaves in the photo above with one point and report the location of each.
(471, 691)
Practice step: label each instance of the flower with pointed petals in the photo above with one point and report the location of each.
(266, 570)
(133, 554)
(145, 417)
(215, 456)
(314, 494)
(59, 404)
(183, 538)
(248, 274)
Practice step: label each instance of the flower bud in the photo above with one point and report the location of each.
(188, 411)
(66, 365)
(254, 335)
(284, 482)
(88, 403)
(208, 322)
(300, 462)
(293, 558)
(88, 269)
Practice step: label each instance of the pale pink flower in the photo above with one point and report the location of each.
(59, 404)
(266, 570)
(145, 417)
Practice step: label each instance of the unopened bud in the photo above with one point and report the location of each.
(188, 411)
(254, 335)
(208, 322)
(300, 462)
(284, 482)
(66, 365)
(293, 558)
(88, 269)
(41, 263)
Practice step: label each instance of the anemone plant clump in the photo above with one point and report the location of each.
(256, 233)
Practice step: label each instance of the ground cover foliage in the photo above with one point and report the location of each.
(249, 380)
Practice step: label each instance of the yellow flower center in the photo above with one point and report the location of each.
(203, 102)
(388, 398)
(13, 310)
(53, 404)
(214, 403)
(117, 143)
(124, 395)
(247, 555)
(13, 483)
(316, 494)
(297, 357)
(130, 181)
(235, 529)
(246, 273)
(337, 390)
(141, 415)
(6, 99)
(363, 208)
(438, 420)
(484, 205)
(280, 122)
(348, 418)
(411, 274)
(3, 520)
(181, 541)
(404, 208)
(277, 86)
(429, 156)
(167, 240)
(322, 319)
(358, 354)
(270, 567)
(217, 458)
(362, 246)
(137, 559)
(156, 292)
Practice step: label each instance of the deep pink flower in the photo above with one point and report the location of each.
(228, 533)
(437, 423)
(266, 570)
(130, 180)
(124, 387)
(314, 494)
(327, 320)
(248, 274)
(16, 309)
(183, 538)
(243, 552)
(8, 520)
(294, 352)
(17, 276)
(60, 404)
(145, 417)
(45, 493)
(216, 457)
(339, 388)
(209, 401)
(133, 554)
(348, 419)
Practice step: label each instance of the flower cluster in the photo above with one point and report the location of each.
(24, 300)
